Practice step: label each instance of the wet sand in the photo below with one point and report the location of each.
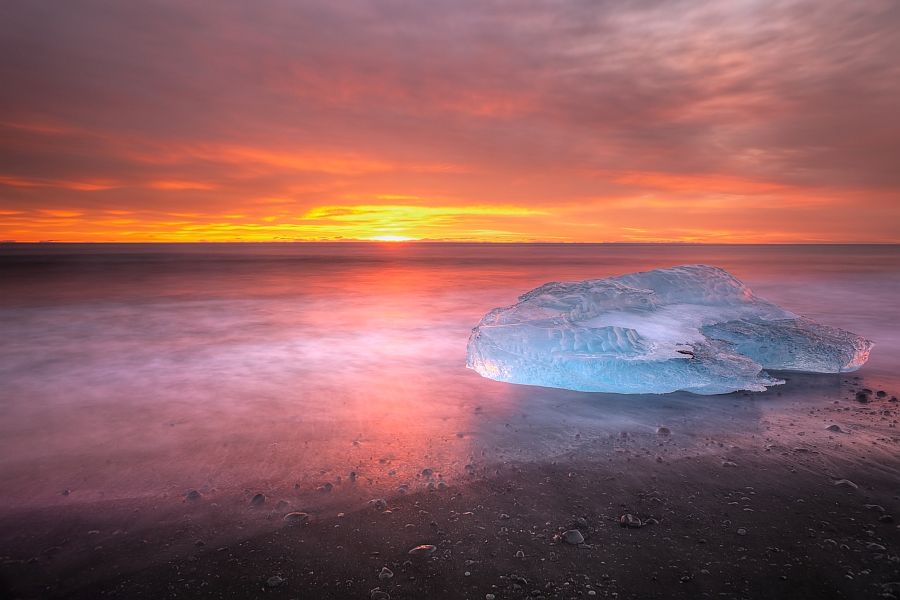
(755, 506)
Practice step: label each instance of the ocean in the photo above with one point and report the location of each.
(337, 370)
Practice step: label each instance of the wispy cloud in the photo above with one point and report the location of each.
(596, 121)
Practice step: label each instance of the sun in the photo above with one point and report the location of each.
(391, 238)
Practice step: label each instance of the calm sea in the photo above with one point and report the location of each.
(148, 370)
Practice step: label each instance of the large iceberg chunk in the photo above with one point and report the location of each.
(695, 328)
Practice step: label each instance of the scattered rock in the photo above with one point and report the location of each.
(741, 531)
(379, 594)
(834, 428)
(422, 551)
(629, 520)
(520, 554)
(192, 495)
(274, 581)
(862, 397)
(663, 431)
(846, 483)
(881, 393)
(728, 463)
(385, 573)
(886, 519)
(378, 504)
(325, 487)
(573, 536)
(296, 518)
(258, 500)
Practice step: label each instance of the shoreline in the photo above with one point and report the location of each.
(804, 536)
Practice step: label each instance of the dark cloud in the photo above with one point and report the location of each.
(556, 96)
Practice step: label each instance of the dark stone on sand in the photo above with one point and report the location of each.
(258, 500)
(886, 519)
(862, 397)
(422, 551)
(385, 573)
(663, 431)
(379, 594)
(378, 504)
(192, 495)
(629, 520)
(881, 393)
(296, 518)
(835, 428)
(573, 536)
(274, 581)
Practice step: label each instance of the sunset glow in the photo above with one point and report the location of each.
(734, 122)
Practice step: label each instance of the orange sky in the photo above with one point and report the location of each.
(735, 121)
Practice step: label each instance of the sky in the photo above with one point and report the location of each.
(598, 121)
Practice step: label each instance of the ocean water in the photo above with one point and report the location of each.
(145, 371)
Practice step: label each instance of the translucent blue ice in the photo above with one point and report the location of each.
(695, 328)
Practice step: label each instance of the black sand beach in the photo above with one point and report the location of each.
(774, 507)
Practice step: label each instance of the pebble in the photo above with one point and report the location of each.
(489, 597)
(629, 520)
(835, 428)
(846, 483)
(192, 495)
(520, 554)
(663, 431)
(423, 550)
(385, 573)
(573, 536)
(274, 581)
(728, 463)
(741, 531)
(379, 594)
(378, 503)
(258, 500)
(296, 518)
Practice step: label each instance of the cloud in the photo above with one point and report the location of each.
(697, 110)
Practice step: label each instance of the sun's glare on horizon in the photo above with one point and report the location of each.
(642, 122)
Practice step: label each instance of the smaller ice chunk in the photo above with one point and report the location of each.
(695, 328)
